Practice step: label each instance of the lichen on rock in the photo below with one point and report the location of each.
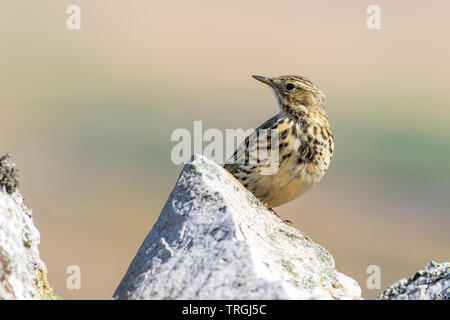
(9, 179)
(215, 240)
(431, 283)
(43, 289)
(22, 273)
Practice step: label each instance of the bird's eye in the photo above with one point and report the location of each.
(290, 86)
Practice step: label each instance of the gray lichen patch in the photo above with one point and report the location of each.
(291, 234)
(5, 266)
(289, 267)
(5, 271)
(431, 283)
(22, 272)
(43, 289)
(309, 282)
(9, 179)
(27, 244)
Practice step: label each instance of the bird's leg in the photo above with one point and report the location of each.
(285, 221)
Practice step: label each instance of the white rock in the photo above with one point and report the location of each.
(215, 240)
(431, 283)
(22, 273)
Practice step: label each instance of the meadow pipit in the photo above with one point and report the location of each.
(304, 145)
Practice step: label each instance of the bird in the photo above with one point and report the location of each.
(297, 142)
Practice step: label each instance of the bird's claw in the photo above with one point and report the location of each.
(285, 221)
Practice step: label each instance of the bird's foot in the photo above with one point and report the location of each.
(285, 221)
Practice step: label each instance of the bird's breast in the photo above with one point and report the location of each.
(286, 167)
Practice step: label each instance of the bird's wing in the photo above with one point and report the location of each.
(233, 162)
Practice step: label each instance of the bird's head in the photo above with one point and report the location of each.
(295, 93)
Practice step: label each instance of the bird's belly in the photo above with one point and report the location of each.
(283, 189)
(286, 185)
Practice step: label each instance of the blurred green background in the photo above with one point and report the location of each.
(87, 116)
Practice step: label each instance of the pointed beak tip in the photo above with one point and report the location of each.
(265, 80)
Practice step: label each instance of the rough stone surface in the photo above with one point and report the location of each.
(215, 240)
(431, 283)
(22, 273)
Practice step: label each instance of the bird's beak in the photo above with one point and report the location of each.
(265, 80)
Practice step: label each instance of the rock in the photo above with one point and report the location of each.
(215, 240)
(22, 273)
(431, 283)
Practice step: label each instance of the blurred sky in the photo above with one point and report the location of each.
(87, 116)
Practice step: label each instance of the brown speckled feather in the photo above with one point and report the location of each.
(305, 145)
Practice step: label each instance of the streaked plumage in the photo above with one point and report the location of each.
(305, 144)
